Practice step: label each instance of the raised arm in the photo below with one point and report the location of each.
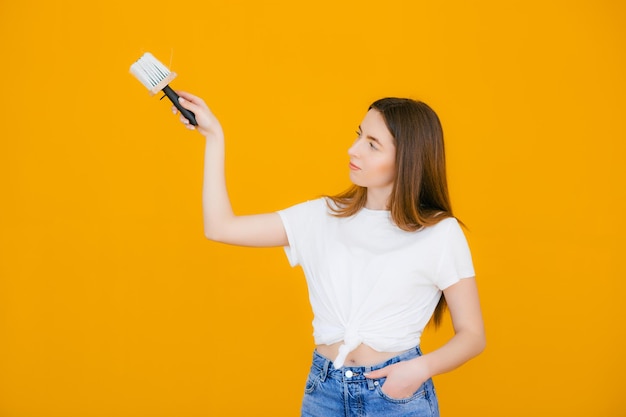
(220, 223)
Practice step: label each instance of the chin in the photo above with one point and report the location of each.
(356, 181)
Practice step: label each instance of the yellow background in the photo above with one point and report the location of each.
(113, 304)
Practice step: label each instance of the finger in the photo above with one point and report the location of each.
(186, 122)
(379, 373)
(196, 109)
(190, 97)
(187, 95)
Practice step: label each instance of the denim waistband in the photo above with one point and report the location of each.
(355, 373)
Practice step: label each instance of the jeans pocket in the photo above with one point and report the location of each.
(420, 393)
(312, 381)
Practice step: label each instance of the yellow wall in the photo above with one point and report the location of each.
(113, 304)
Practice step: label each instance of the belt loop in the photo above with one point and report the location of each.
(324, 373)
(370, 381)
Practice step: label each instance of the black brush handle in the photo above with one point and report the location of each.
(174, 99)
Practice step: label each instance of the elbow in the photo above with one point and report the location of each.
(218, 232)
(212, 235)
(480, 342)
(475, 342)
(211, 232)
(220, 229)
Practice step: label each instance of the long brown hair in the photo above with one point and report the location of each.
(419, 196)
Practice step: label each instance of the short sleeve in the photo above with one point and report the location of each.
(456, 259)
(298, 222)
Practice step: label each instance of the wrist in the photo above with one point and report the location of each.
(212, 136)
(421, 368)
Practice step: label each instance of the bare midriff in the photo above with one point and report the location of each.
(363, 355)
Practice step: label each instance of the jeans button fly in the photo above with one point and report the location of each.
(349, 374)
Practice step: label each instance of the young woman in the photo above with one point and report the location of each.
(377, 259)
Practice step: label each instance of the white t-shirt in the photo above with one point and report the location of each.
(369, 281)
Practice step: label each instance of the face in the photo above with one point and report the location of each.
(372, 155)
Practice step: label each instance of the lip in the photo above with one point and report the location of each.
(353, 167)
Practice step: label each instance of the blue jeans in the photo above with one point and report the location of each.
(345, 392)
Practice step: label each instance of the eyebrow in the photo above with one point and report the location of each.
(370, 137)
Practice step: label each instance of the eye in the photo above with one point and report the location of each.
(358, 134)
(372, 145)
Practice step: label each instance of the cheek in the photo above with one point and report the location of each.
(387, 170)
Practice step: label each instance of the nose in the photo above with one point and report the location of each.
(352, 150)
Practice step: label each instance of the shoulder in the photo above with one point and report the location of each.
(445, 224)
(317, 204)
(445, 229)
(306, 208)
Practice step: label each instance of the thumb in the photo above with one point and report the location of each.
(188, 104)
(377, 374)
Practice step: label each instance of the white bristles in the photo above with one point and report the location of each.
(151, 73)
(149, 70)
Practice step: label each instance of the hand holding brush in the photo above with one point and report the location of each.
(206, 123)
(156, 77)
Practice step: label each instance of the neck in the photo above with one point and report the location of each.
(377, 199)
